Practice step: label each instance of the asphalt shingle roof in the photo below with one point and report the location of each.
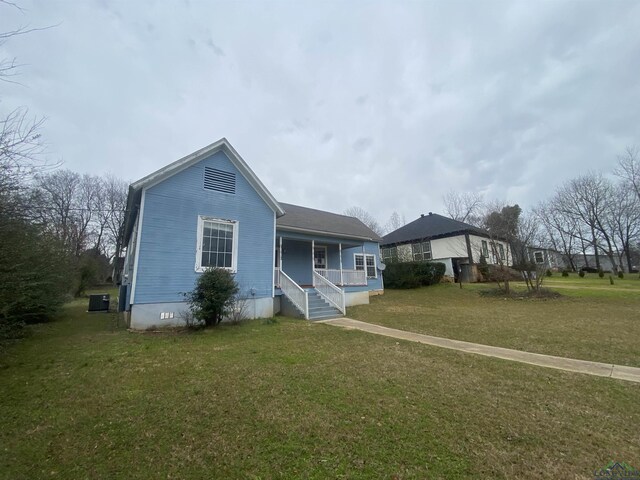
(303, 218)
(430, 226)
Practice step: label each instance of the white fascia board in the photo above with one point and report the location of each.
(185, 162)
(324, 234)
(136, 259)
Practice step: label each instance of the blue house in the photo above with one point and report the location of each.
(209, 209)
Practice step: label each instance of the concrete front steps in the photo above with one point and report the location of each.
(319, 309)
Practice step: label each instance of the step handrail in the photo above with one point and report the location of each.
(329, 292)
(294, 292)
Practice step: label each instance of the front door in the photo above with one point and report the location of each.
(320, 258)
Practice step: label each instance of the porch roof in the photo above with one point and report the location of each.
(309, 220)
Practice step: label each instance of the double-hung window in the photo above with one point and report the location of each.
(366, 261)
(217, 244)
(390, 254)
(501, 250)
(421, 251)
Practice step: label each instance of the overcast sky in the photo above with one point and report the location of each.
(384, 105)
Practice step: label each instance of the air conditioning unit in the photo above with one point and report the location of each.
(99, 302)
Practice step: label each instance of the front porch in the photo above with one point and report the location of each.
(302, 260)
(313, 273)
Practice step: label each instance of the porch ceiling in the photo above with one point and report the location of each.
(318, 240)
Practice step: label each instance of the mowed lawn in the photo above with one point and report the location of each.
(84, 398)
(593, 320)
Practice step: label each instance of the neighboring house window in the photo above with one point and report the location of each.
(501, 249)
(426, 250)
(361, 259)
(421, 251)
(390, 254)
(539, 257)
(485, 250)
(217, 244)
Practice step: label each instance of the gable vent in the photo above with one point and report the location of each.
(219, 180)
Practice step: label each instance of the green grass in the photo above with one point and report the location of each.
(598, 322)
(84, 398)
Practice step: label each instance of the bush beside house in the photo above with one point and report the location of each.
(413, 274)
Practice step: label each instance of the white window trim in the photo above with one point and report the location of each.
(234, 246)
(535, 260)
(364, 259)
(484, 249)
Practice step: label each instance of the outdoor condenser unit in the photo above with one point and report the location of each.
(99, 302)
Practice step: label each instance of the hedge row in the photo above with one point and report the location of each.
(413, 274)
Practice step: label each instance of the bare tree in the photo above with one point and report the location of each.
(629, 169)
(82, 211)
(587, 199)
(395, 222)
(21, 146)
(111, 214)
(624, 222)
(366, 218)
(560, 231)
(464, 207)
(503, 226)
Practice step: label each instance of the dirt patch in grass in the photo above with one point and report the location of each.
(542, 294)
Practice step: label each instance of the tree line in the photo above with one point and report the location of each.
(60, 231)
(588, 218)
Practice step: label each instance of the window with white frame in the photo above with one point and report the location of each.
(539, 257)
(421, 251)
(501, 249)
(485, 250)
(366, 261)
(217, 244)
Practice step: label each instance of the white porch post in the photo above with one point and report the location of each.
(313, 262)
(364, 260)
(340, 250)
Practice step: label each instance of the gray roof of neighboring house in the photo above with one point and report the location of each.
(430, 226)
(297, 218)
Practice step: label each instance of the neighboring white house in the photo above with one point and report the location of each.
(436, 238)
(546, 258)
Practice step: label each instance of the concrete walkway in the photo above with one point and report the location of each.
(631, 374)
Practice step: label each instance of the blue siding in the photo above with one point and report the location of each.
(349, 263)
(296, 257)
(296, 260)
(166, 264)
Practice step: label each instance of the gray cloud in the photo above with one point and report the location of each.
(362, 144)
(504, 98)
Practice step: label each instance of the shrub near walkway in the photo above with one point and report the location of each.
(82, 398)
(596, 325)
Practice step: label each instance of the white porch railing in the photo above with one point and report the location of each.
(294, 292)
(329, 292)
(348, 277)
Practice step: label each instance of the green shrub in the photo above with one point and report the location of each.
(34, 274)
(581, 273)
(549, 274)
(413, 274)
(600, 273)
(565, 273)
(213, 296)
(620, 274)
